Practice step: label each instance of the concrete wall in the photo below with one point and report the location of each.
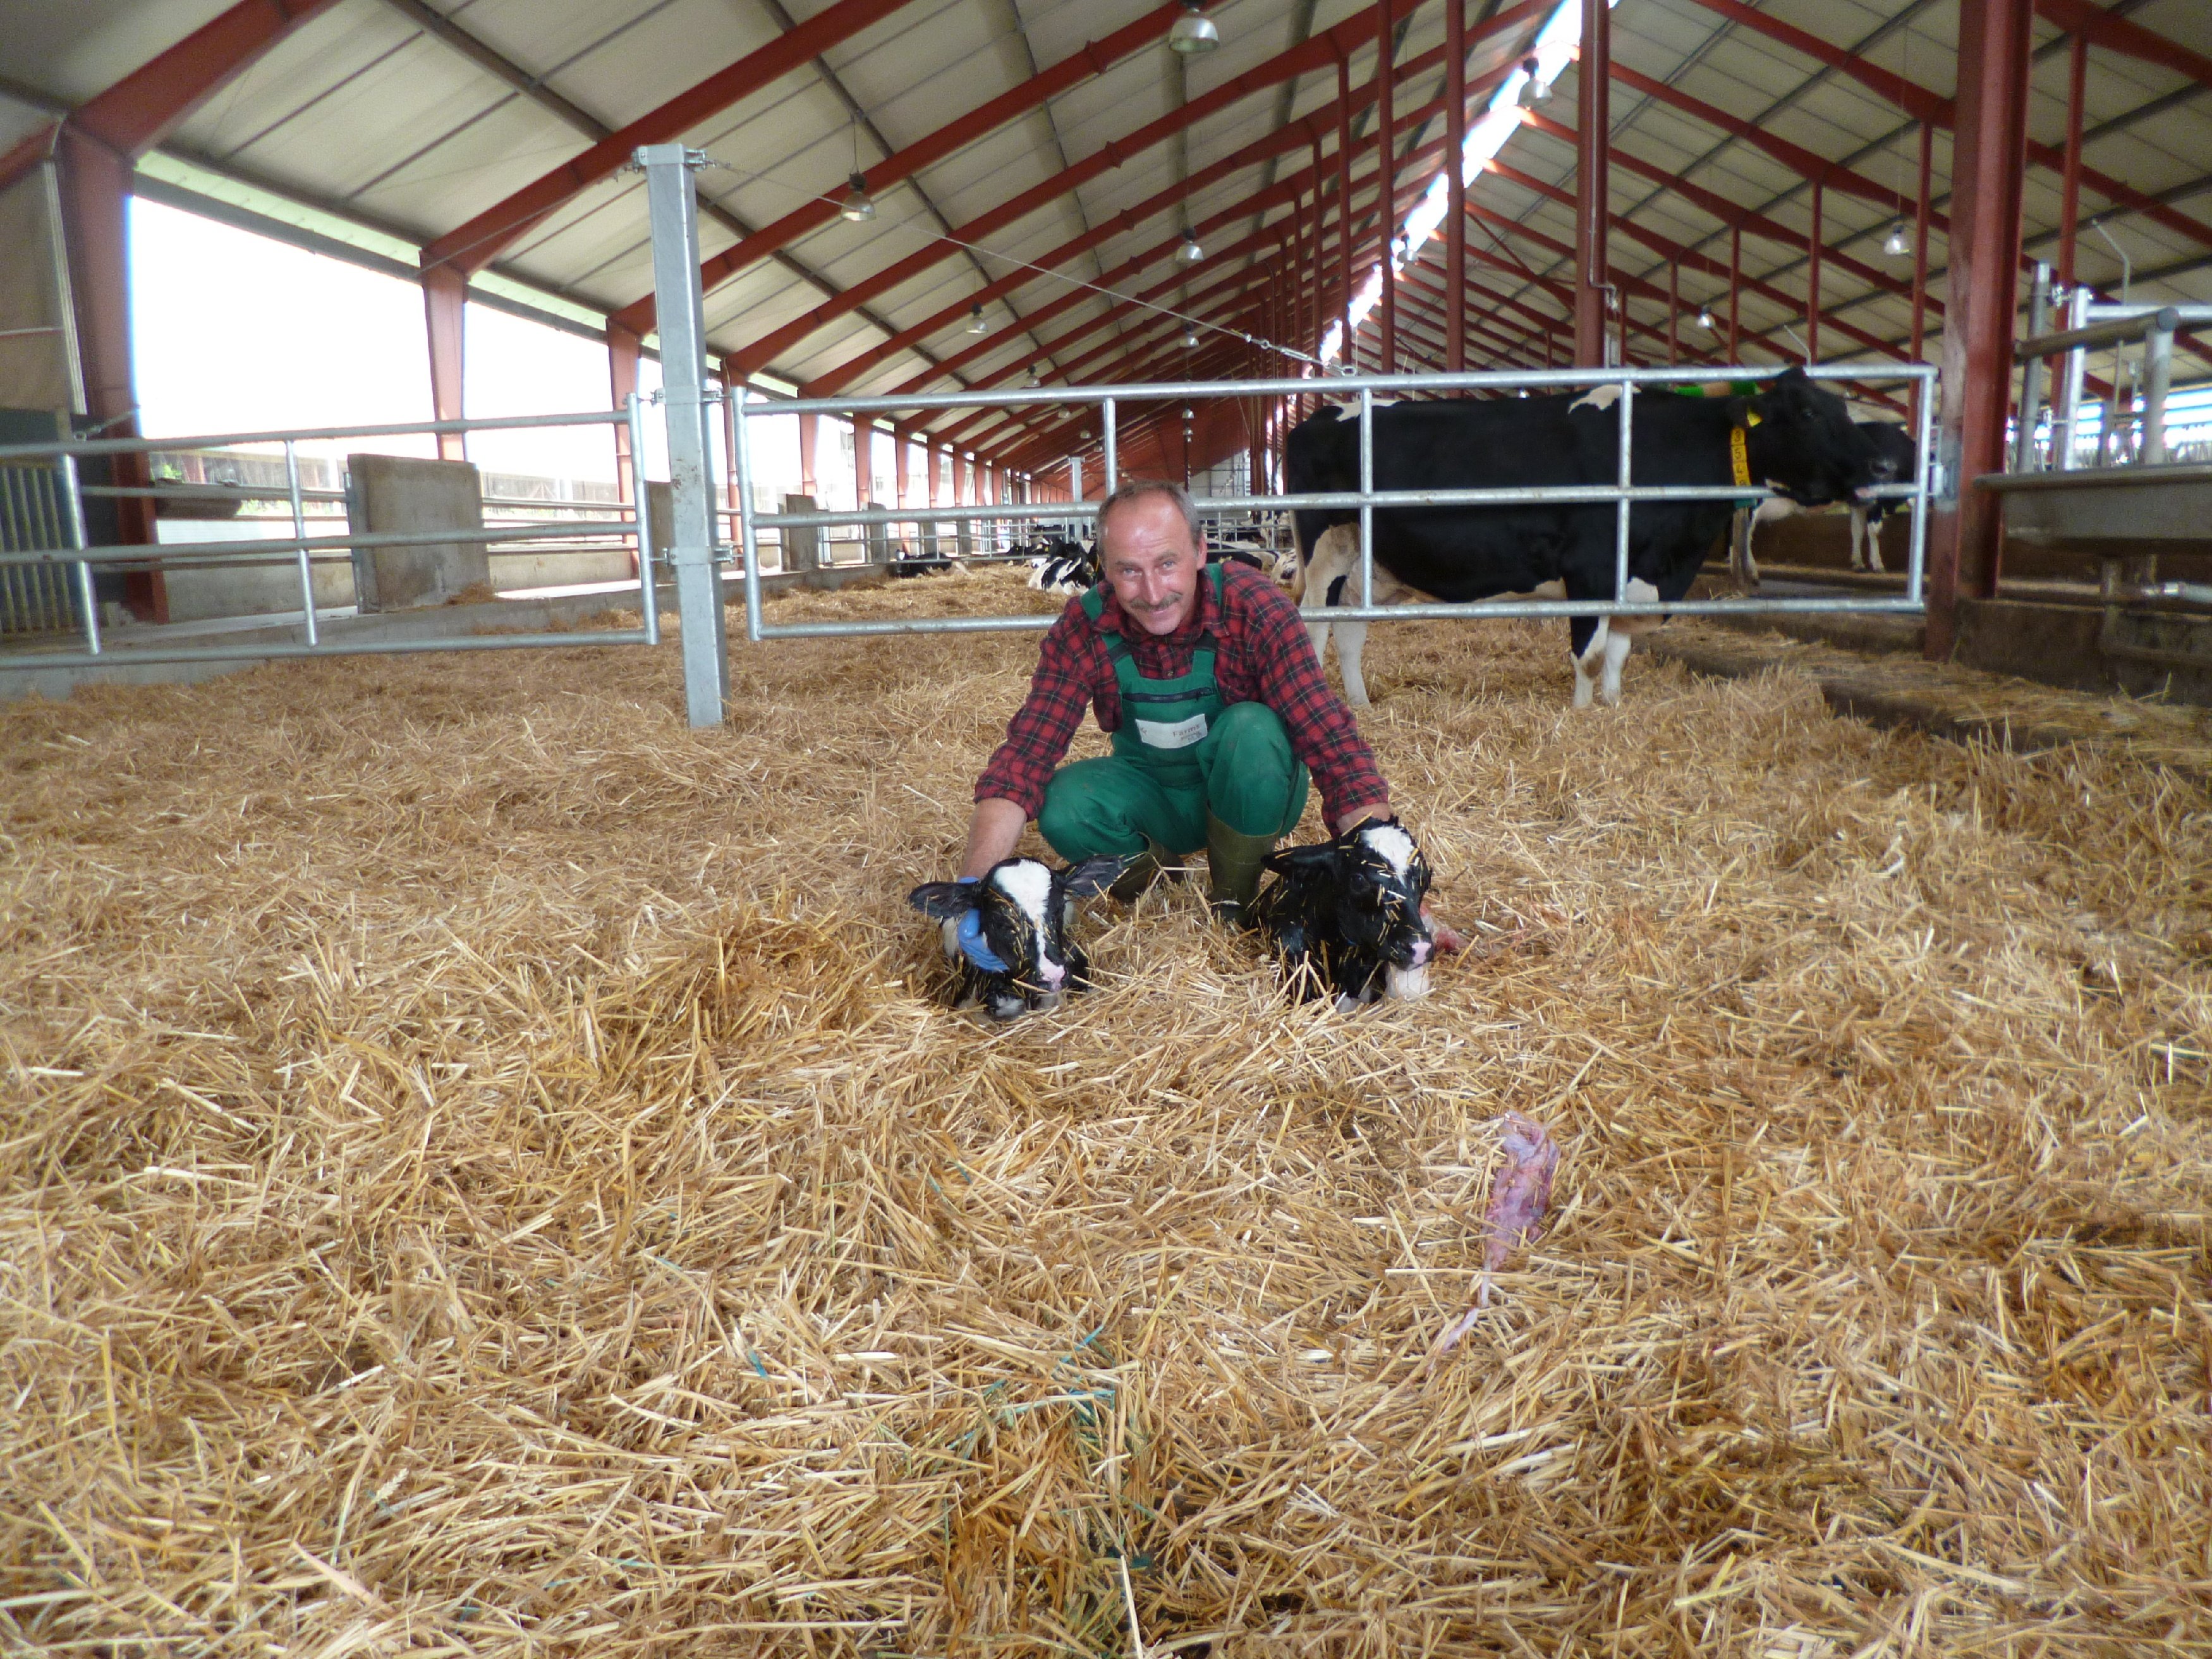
(802, 547)
(388, 493)
(201, 594)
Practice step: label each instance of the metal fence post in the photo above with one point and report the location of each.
(1627, 477)
(673, 210)
(2032, 372)
(87, 594)
(2067, 425)
(299, 539)
(2158, 379)
(648, 594)
(1366, 488)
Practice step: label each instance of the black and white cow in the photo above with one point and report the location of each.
(1026, 907)
(1066, 566)
(1798, 438)
(1895, 445)
(918, 564)
(1345, 916)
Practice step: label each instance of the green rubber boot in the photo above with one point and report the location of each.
(1234, 863)
(1154, 864)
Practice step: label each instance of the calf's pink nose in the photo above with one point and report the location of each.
(1051, 973)
(1420, 951)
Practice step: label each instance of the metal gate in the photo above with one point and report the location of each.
(36, 600)
(1621, 492)
(42, 552)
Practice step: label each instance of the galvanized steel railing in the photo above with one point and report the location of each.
(57, 544)
(1622, 493)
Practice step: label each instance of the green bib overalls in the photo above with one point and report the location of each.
(1181, 755)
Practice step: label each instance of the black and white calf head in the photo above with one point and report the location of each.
(1025, 907)
(1345, 914)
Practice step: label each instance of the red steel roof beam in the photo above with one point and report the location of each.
(1669, 249)
(1732, 214)
(145, 106)
(2100, 28)
(1260, 243)
(1313, 54)
(1095, 58)
(1304, 130)
(471, 247)
(1922, 103)
(1264, 240)
(1129, 268)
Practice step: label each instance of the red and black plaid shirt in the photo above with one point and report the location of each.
(1263, 655)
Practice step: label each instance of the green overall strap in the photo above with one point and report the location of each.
(1162, 718)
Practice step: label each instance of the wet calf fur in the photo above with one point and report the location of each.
(1026, 907)
(1345, 915)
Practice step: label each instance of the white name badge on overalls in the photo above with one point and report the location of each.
(1172, 734)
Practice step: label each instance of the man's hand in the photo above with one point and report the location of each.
(992, 835)
(970, 936)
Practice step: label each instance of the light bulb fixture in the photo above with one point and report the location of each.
(1189, 253)
(1035, 380)
(1193, 31)
(858, 204)
(1705, 319)
(1190, 337)
(975, 322)
(1533, 91)
(1189, 414)
(1898, 242)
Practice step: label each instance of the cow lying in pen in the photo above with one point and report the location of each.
(1345, 916)
(1023, 910)
(1794, 437)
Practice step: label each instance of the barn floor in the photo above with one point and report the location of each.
(484, 1172)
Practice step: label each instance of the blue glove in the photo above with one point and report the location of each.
(970, 936)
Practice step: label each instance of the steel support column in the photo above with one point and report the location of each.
(1813, 281)
(902, 477)
(1456, 184)
(733, 393)
(1987, 167)
(95, 202)
(1322, 251)
(1344, 205)
(810, 438)
(1736, 293)
(2069, 200)
(445, 308)
(1922, 210)
(1385, 160)
(1593, 145)
(672, 203)
(1674, 312)
(623, 349)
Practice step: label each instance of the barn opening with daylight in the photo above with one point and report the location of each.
(535, 535)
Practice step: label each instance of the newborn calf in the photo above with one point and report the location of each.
(1025, 909)
(1345, 916)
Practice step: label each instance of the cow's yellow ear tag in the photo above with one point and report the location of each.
(1751, 417)
(1739, 457)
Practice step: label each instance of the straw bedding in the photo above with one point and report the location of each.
(485, 1171)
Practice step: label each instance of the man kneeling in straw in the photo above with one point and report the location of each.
(1203, 674)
